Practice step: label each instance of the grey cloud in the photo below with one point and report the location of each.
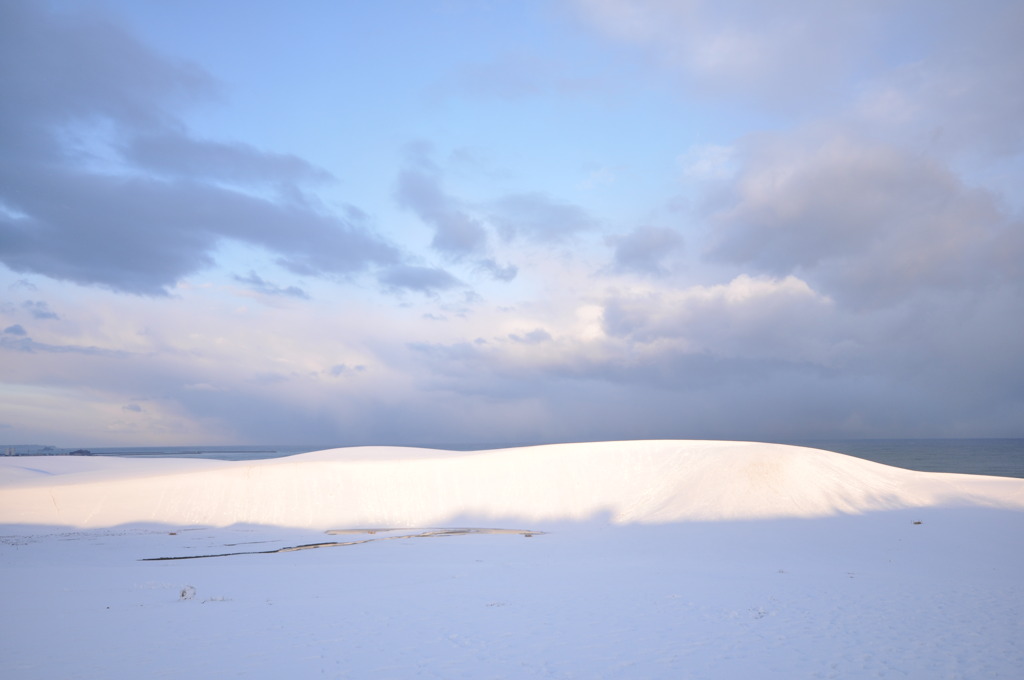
(449, 365)
(27, 344)
(175, 154)
(683, 372)
(960, 92)
(339, 370)
(456, 232)
(756, 319)
(461, 350)
(461, 230)
(539, 217)
(534, 337)
(77, 67)
(258, 412)
(870, 223)
(783, 363)
(39, 309)
(623, 394)
(948, 77)
(427, 280)
(133, 408)
(73, 81)
(459, 368)
(771, 357)
(645, 249)
(181, 390)
(256, 283)
(506, 273)
(746, 48)
(271, 378)
(16, 329)
(142, 235)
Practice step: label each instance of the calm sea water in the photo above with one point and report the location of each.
(993, 457)
(1001, 457)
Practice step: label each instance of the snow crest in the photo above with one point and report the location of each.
(624, 482)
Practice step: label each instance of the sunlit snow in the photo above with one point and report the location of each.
(612, 560)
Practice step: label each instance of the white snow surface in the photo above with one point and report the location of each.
(661, 559)
(631, 482)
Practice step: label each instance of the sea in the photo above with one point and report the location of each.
(998, 457)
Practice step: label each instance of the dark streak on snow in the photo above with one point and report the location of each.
(427, 533)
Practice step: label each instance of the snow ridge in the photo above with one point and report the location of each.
(625, 482)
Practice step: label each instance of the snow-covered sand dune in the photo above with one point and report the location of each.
(630, 482)
(803, 564)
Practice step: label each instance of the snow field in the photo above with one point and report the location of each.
(720, 561)
(657, 481)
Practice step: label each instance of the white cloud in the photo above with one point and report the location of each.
(785, 54)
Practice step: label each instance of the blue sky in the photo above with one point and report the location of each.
(460, 222)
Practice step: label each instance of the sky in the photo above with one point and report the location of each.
(509, 221)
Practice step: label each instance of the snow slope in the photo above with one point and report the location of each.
(628, 482)
(654, 560)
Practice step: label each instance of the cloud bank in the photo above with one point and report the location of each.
(813, 227)
(102, 184)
